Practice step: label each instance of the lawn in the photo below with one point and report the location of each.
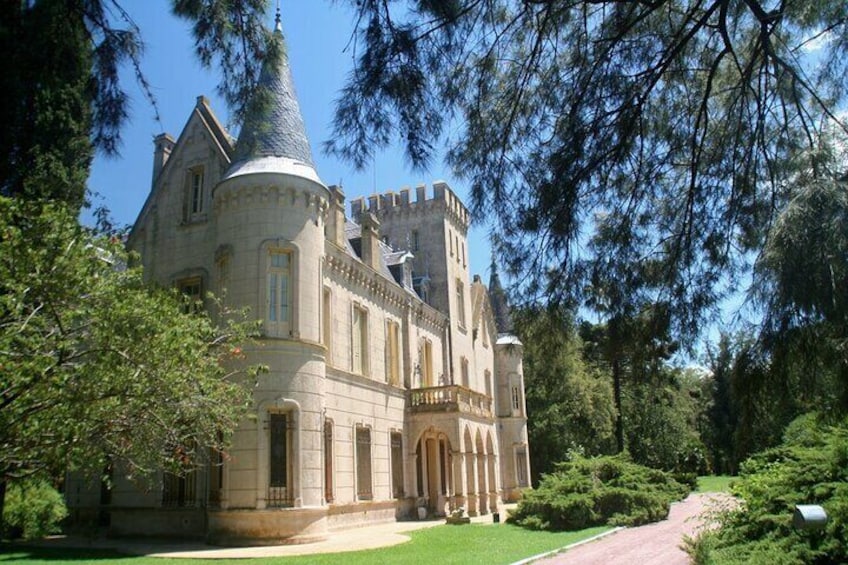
(446, 545)
(714, 483)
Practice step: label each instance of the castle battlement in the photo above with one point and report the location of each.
(440, 198)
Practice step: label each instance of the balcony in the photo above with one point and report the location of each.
(453, 398)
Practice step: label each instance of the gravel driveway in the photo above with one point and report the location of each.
(654, 544)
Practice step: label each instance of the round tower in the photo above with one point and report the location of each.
(269, 211)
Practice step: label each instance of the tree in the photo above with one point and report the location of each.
(60, 79)
(633, 346)
(660, 132)
(96, 366)
(569, 404)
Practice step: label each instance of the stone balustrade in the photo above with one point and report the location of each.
(452, 398)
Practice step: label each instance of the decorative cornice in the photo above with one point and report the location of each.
(354, 273)
(228, 197)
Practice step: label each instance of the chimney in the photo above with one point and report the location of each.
(163, 144)
(370, 240)
(336, 217)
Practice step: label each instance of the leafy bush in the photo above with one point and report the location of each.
(810, 467)
(588, 492)
(33, 509)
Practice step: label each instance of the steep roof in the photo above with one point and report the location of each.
(500, 306)
(273, 128)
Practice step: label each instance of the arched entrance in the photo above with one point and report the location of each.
(434, 455)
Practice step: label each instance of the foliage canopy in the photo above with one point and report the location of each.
(97, 366)
(627, 151)
(809, 467)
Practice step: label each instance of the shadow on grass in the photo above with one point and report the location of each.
(33, 554)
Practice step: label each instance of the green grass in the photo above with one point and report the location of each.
(446, 545)
(714, 483)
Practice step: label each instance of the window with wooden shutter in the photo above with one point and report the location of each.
(363, 464)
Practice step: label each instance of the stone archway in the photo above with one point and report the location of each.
(482, 489)
(491, 467)
(434, 471)
(471, 499)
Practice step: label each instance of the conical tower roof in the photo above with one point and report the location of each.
(273, 136)
(500, 306)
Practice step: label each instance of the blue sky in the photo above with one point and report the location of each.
(317, 33)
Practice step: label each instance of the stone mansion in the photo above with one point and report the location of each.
(395, 387)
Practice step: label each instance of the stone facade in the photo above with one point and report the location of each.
(390, 394)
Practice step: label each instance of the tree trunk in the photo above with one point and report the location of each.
(2, 504)
(616, 388)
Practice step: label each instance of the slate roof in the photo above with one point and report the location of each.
(500, 306)
(273, 125)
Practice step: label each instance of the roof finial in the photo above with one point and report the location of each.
(278, 20)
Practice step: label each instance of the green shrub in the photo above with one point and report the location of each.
(809, 467)
(33, 509)
(603, 490)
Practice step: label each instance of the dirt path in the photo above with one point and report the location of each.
(654, 544)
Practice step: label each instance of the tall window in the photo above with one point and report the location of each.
(197, 191)
(487, 375)
(195, 202)
(179, 490)
(465, 378)
(393, 353)
(363, 463)
(516, 399)
(359, 335)
(521, 467)
(328, 460)
(396, 440)
(327, 318)
(223, 276)
(279, 481)
(191, 289)
(460, 303)
(279, 291)
(427, 363)
(414, 243)
(216, 475)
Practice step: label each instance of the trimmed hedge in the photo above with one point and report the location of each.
(586, 492)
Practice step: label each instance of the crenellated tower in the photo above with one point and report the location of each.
(434, 228)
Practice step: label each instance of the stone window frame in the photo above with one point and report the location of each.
(279, 328)
(327, 323)
(425, 362)
(394, 368)
(461, 320)
(265, 496)
(195, 194)
(363, 478)
(363, 340)
(397, 474)
(328, 435)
